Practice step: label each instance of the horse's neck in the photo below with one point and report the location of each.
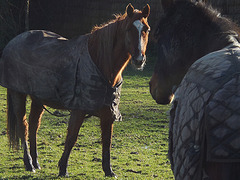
(219, 40)
(212, 42)
(109, 54)
(218, 43)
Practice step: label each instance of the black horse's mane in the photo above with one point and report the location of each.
(200, 10)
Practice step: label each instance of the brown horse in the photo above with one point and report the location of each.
(83, 75)
(198, 64)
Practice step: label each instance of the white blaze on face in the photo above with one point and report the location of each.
(139, 25)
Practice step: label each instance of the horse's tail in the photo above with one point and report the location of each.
(12, 123)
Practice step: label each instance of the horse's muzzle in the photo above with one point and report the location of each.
(139, 61)
(160, 96)
(164, 100)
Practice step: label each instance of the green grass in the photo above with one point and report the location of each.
(139, 145)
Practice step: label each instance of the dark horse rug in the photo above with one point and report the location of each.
(50, 67)
(205, 116)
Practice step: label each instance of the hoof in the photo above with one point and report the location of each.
(36, 165)
(31, 169)
(28, 163)
(62, 174)
(111, 174)
(62, 171)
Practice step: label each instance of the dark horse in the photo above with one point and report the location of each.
(198, 70)
(83, 75)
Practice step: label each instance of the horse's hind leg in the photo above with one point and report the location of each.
(75, 122)
(34, 123)
(17, 124)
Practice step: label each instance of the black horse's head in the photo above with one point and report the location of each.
(187, 31)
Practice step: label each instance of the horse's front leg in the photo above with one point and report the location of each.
(107, 129)
(74, 125)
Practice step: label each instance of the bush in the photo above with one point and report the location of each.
(11, 20)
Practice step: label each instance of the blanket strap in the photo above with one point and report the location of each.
(56, 113)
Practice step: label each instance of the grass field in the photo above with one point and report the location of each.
(139, 148)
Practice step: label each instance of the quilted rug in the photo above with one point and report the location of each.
(205, 116)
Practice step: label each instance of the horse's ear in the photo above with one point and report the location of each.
(166, 4)
(146, 11)
(129, 10)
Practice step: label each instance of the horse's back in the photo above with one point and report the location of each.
(32, 63)
(35, 48)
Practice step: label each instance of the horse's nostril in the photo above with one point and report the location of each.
(138, 62)
(139, 58)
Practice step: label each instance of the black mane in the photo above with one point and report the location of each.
(199, 11)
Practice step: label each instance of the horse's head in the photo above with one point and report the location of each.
(137, 31)
(179, 37)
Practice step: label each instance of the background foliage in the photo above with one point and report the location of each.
(74, 17)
